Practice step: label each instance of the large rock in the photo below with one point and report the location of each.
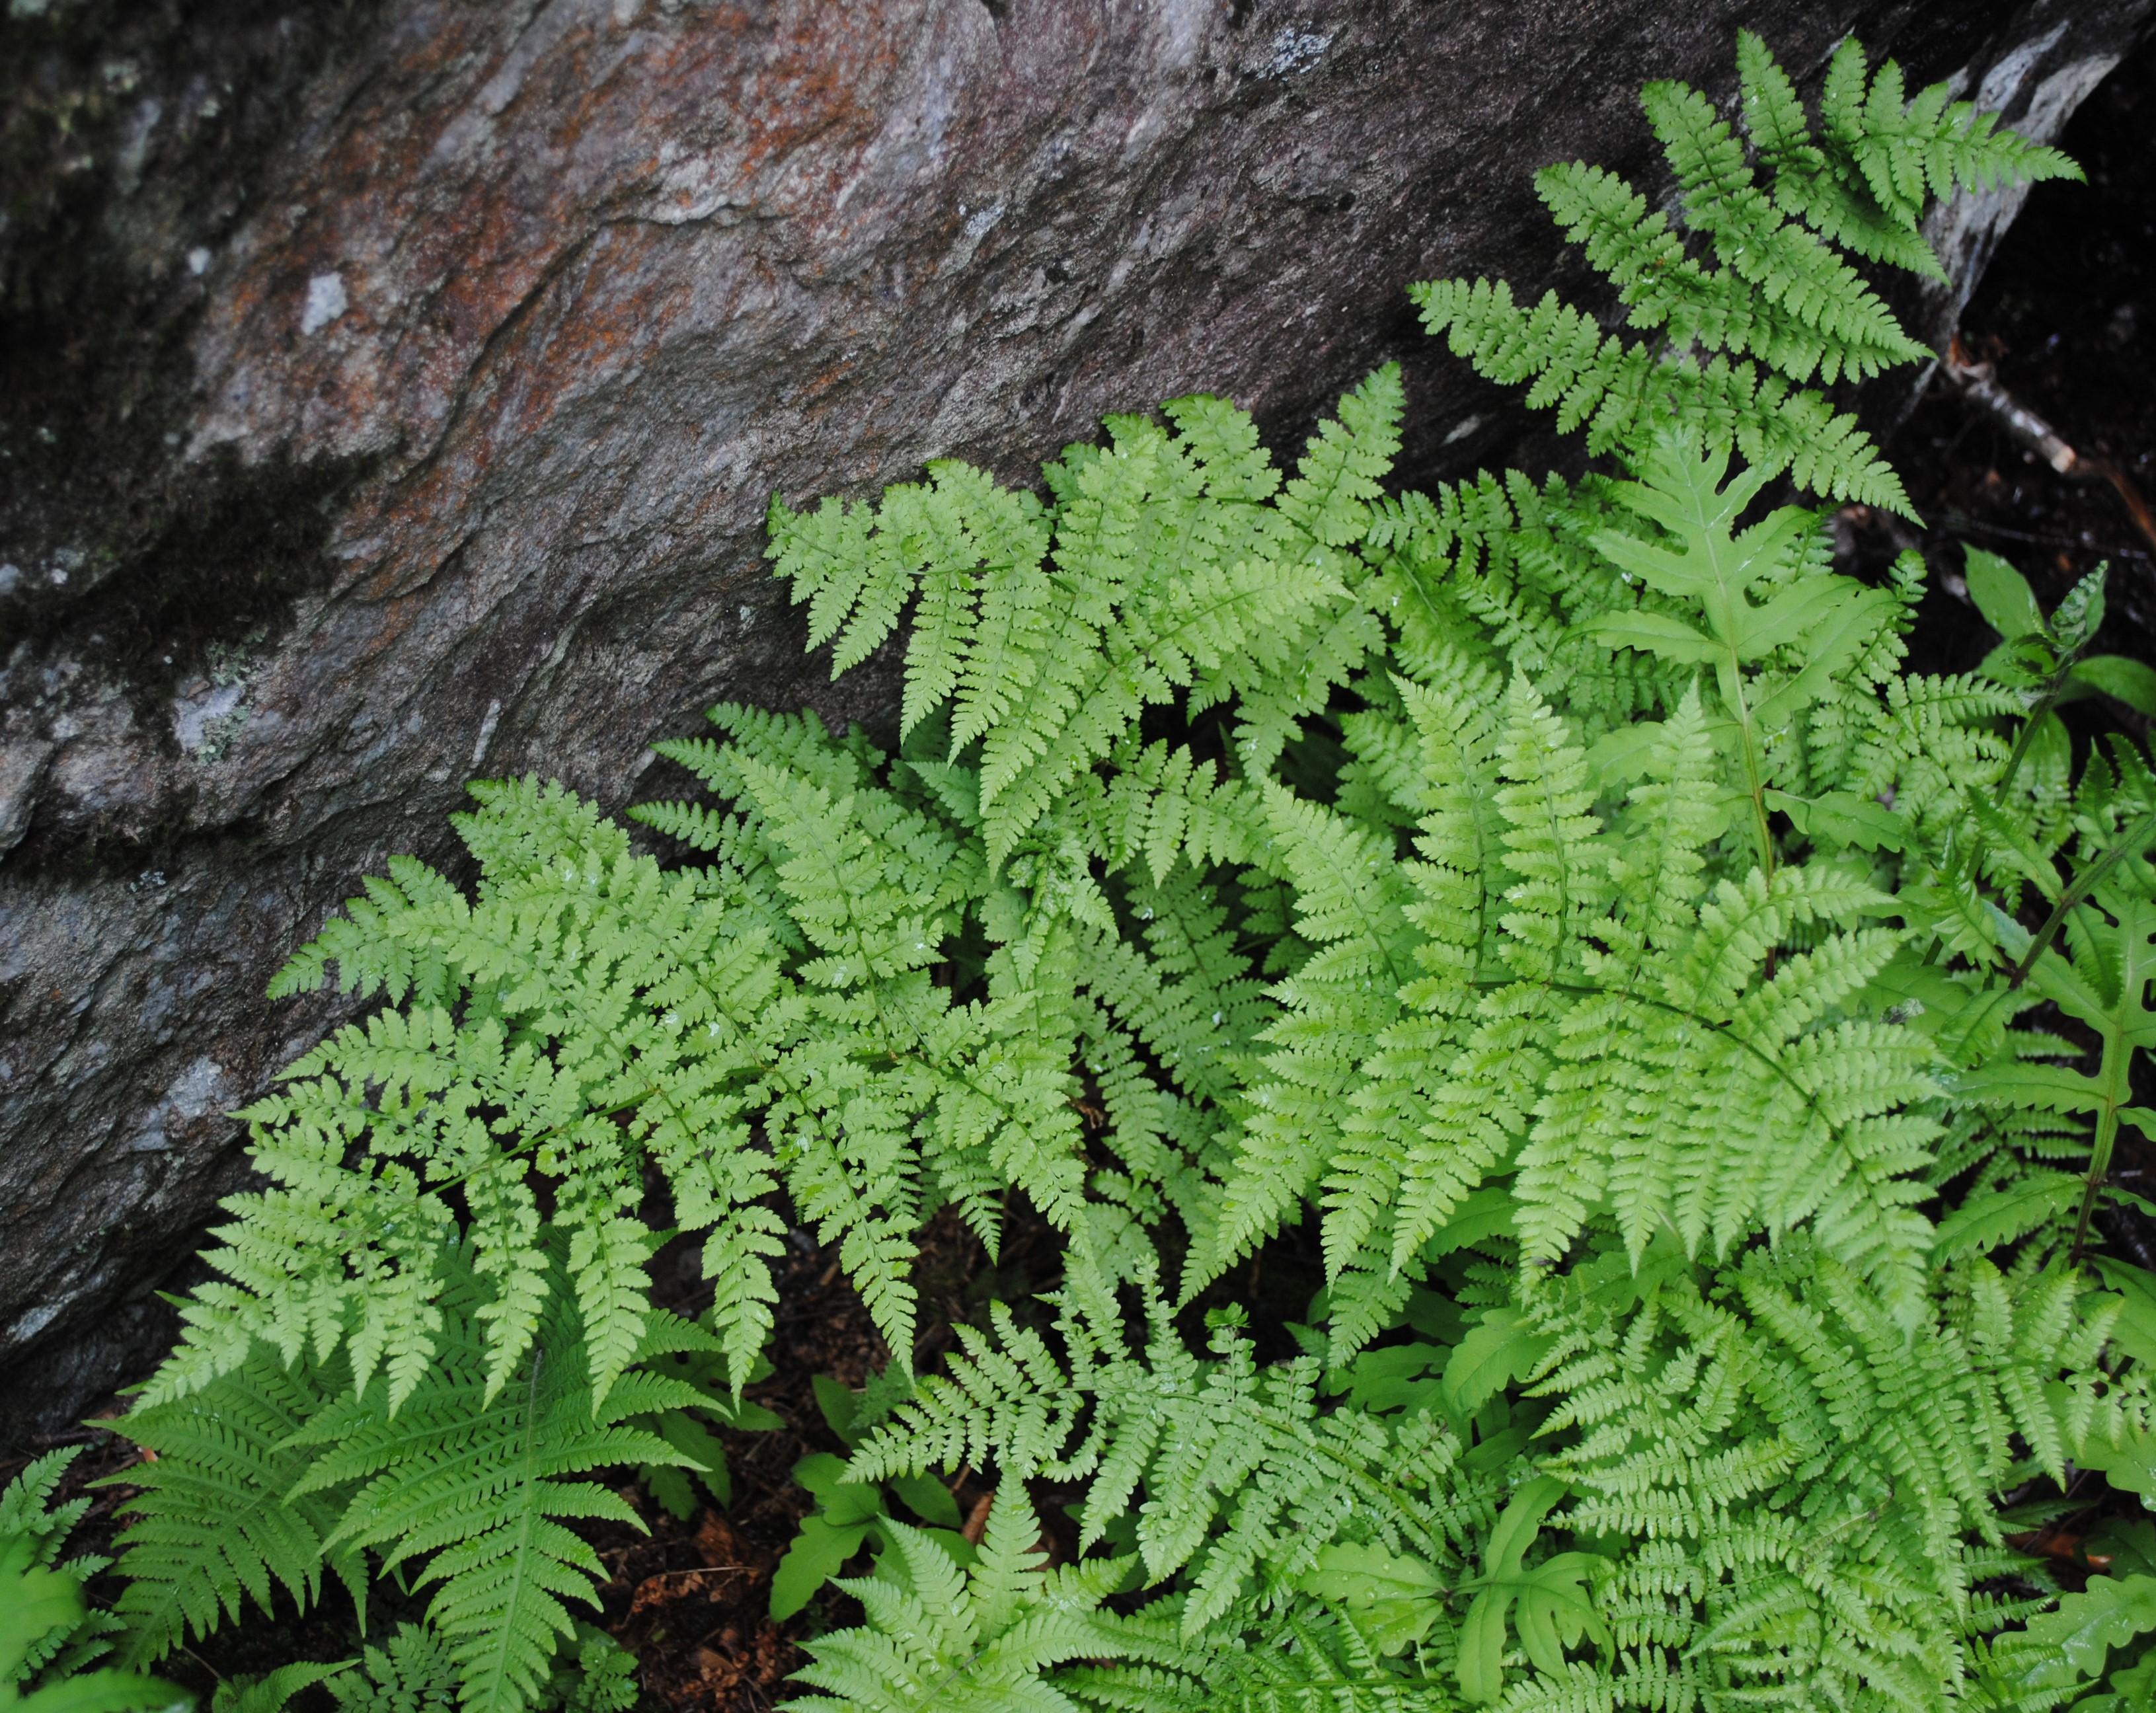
(393, 389)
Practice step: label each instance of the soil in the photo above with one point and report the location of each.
(2066, 315)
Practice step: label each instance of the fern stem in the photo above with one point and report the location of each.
(2042, 705)
(496, 1673)
(1753, 771)
(2084, 884)
(2054, 688)
(2107, 1135)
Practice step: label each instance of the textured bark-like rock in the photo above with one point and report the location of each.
(392, 390)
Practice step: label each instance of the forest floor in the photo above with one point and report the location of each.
(2066, 315)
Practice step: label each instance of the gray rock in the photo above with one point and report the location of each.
(391, 392)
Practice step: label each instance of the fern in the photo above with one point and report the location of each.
(968, 1640)
(414, 1673)
(1050, 641)
(216, 1523)
(1776, 306)
(1556, 895)
(1211, 1443)
(268, 1476)
(479, 1485)
(272, 1691)
(50, 1635)
(417, 1672)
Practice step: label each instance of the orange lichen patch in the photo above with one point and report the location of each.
(473, 162)
(509, 244)
(526, 224)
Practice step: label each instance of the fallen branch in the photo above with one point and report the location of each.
(1979, 387)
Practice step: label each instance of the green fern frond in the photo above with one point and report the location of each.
(216, 1523)
(272, 1692)
(1909, 151)
(48, 1630)
(1778, 296)
(979, 1639)
(49, 1633)
(476, 1480)
(412, 1672)
(1623, 395)
(1243, 1472)
(1836, 204)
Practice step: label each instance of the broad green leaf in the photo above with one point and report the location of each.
(818, 1553)
(697, 1443)
(2127, 1463)
(2047, 1088)
(1394, 1597)
(2001, 594)
(2131, 681)
(36, 1602)
(1622, 754)
(1489, 1211)
(842, 1501)
(2134, 1331)
(106, 1691)
(1386, 1379)
(840, 1404)
(1555, 1607)
(1656, 633)
(2075, 1641)
(1803, 606)
(1984, 1221)
(1498, 1349)
(1516, 1526)
(1482, 1667)
(927, 1499)
(2129, 1542)
(1831, 647)
(1840, 817)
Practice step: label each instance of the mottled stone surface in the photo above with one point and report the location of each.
(391, 392)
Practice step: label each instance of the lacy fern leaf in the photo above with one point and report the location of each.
(474, 1476)
(940, 1637)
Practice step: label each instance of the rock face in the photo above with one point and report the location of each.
(391, 392)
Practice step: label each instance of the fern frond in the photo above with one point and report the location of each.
(1623, 395)
(412, 1673)
(51, 1632)
(982, 1639)
(476, 1480)
(1244, 1474)
(1908, 152)
(1836, 204)
(216, 1523)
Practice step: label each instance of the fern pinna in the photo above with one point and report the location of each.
(1558, 897)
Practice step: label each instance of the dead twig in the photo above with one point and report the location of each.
(1979, 387)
